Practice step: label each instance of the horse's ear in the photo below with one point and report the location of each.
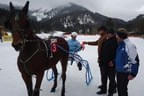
(11, 7)
(25, 8)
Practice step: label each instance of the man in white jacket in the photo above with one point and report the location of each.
(127, 62)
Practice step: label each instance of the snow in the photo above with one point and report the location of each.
(40, 14)
(11, 83)
(44, 13)
(84, 19)
(54, 33)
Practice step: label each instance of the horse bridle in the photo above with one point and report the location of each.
(21, 32)
(20, 45)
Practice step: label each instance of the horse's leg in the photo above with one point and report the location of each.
(39, 78)
(28, 82)
(55, 79)
(64, 68)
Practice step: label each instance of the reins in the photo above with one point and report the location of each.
(77, 58)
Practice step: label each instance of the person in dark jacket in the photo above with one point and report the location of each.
(107, 45)
(108, 53)
(127, 62)
(103, 37)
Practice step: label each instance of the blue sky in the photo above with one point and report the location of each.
(124, 9)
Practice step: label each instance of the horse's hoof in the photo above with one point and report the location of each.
(53, 90)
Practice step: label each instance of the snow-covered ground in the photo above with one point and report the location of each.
(11, 83)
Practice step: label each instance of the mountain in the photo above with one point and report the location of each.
(61, 10)
(3, 13)
(136, 24)
(4, 6)
(104, 20)
(65, 9)
(72, 17)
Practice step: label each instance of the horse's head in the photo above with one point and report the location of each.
(19, 25)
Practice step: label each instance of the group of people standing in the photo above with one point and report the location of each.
(117, 57)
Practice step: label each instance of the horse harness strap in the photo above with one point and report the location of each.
(28, 59)
(52, 48)
(46, 47)
(25, 61)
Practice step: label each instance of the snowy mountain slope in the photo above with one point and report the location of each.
(71, 17)
(58, 11)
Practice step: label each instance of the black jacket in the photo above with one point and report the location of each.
(108, 51)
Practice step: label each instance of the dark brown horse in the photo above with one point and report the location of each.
(36, 55)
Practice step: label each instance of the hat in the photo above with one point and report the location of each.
(122, 33)
(74, 34)
(111, 31)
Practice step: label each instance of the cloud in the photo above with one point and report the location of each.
(91, 4)
(141, 10)
(125, 9)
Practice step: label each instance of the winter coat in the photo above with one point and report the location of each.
(74, 46)
(127, 60)
(108, 51)
(99, 42)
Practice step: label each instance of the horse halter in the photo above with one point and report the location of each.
(18, 32)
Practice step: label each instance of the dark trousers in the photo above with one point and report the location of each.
(108, 73)
(1, 39)
(104, 78)
(122, 83)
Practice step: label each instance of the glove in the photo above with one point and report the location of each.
(85, 42)
(82, 46)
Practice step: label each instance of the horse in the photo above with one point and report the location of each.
(35, 54)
